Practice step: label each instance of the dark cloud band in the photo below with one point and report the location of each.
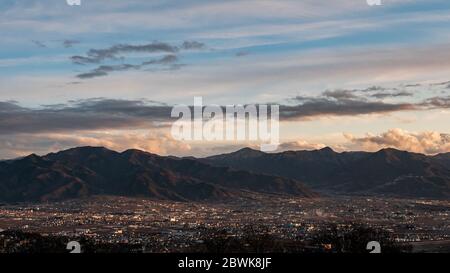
(102, 113)
(89, 114)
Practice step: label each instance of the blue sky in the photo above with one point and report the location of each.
(249, 51)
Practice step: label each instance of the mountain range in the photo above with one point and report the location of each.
(87, 171)
(387, 172)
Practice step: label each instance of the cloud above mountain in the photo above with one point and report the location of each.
(106, 113)
(89, 114)
(428, 142)
(309, 107)
(42, 143)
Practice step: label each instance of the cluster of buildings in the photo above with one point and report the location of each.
(167, 225)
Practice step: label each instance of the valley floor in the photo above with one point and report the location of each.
(166, 226)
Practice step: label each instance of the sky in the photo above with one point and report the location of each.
(106, 73)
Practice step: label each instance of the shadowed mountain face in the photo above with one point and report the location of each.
(388, 171)
(85, 171)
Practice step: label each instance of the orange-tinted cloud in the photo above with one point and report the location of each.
(428, 142)
(300, 145)
(25, 144)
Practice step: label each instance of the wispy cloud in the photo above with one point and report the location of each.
(39, 43)
(189, 45)
(116, 52)
(382, 95)
(104, 70)
(113, 52)
(70, 43)
(99, 55)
